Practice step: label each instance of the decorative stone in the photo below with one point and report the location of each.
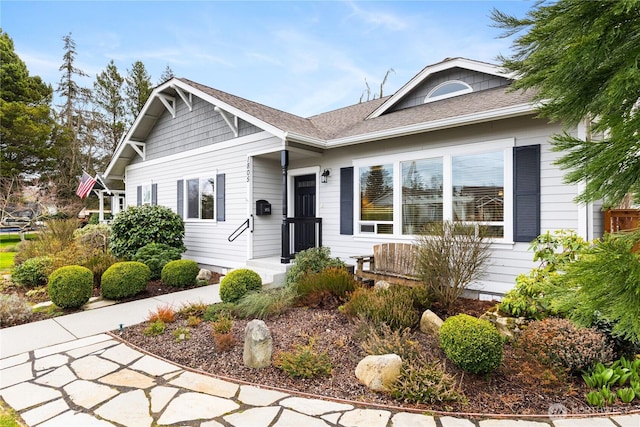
(379, 372)
(381, 284)
(258, 345)
(507, 326)
(204, 275)
(430, 323)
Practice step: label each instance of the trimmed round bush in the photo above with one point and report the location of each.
(70, 286)
(239, 282)
(156, 256)
(180, 273)
(124, 279)
(33, 272)
(473, 344)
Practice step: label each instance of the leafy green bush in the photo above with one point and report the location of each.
(124, 279)
(312, 260)
(555, 252)
(55, 241)
(425, 383)
(94, 237)
(70, 286)
(180, 273)
(156, 256)
(155, 328)
(558, 341)
(237, 283)
(218, 310)
(13, 310)
(395, 306)
(449, 257)
(265, 304)
(98, 264)
(336, 281)
(304, 362)
(137, 226)
(474, 345)
(33, 272)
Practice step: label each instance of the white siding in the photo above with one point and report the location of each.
(267, 185)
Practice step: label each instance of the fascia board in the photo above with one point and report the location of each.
(481, 67)
(502, 113)
(233, 110)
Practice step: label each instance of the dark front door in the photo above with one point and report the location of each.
(304, 208)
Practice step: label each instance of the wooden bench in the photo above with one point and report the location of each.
(391, 262)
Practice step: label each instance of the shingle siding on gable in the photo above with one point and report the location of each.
(190, 129)
(477, 81)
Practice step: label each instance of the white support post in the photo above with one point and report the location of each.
(101, 212)
(187, 100)
(169, 102)
(233, 124)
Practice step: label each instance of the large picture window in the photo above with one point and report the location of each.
(406, 192)
(200, 198)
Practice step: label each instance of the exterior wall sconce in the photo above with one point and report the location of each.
(324, 176)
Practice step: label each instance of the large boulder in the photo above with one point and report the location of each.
(430, 323)
(204, 276)
(379, 372)
(258, 345)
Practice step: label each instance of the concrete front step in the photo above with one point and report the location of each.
(270, 270)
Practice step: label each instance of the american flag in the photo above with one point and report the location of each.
(86, 184)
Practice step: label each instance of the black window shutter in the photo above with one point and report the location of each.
(526, 198)
(180, 200)
(154, 194)
(220, 197)
(139, 195)
(346, 201)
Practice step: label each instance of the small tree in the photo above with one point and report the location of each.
(137, 226)
(450, 256)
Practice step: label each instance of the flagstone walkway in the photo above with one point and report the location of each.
(97, 380)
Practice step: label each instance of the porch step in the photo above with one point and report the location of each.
(270, 270)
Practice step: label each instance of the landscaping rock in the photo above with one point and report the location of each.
(204, 275)
(258, 345)
(507, 326)
(381, 284)
(430, 323)
(379, 372)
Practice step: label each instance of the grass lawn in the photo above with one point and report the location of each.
(8, 242)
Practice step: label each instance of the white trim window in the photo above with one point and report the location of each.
(398, 195)
(448, 89)
(146, 196)
(200, 198)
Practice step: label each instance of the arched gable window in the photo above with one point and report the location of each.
(448, 89)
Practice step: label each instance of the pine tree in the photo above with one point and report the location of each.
(108, 96)
(167, 74)
(137, 89)
(581, 58)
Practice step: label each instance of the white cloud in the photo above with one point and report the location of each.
(377, 18)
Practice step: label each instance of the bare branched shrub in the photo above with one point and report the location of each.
(450, 256)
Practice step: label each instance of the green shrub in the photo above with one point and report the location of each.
(558, 341)
(220, 309)
(304, 362)
(155, 328)
(425, 383)
(55, 241)
(137, 226)
(124, 279)
(70, 286)
(33, 272)
(156, 256)
(449, 257)
(237, 283)
(395, 306)
(384, 340)
(13, 310)
(180, 273)
(312, 260)
(94, 237)
(265, 304)
(474, 345)
(337, 281)
(98, 264)
(222, 325)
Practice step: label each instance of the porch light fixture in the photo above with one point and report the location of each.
(324, 176)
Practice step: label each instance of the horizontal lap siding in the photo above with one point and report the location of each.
(508, 260)
(267, 185)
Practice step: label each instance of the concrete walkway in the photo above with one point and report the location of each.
(67, 372)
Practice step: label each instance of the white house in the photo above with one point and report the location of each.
(454, 143)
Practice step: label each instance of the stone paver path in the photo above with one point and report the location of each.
(99, 381)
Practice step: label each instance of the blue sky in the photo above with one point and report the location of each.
(304, 57)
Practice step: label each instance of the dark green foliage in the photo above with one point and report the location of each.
(312, 260)
(395, 307)
(559, 342)
(335, 280)
(599, 41)
(180, 273)
(218, 310)
(474, 345)
(70, 286)
(137, 226)
(156, 256)
(33, 272)
(237, 283)
(604, 285)
(124, 279)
